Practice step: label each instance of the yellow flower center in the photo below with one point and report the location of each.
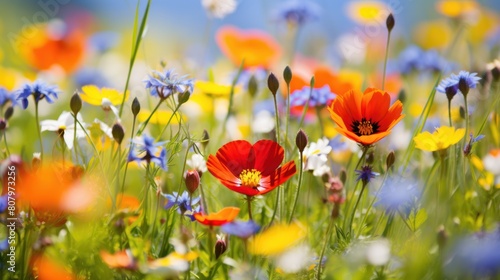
(365, 128)
(250, 178)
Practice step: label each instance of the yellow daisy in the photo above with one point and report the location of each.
(277, 239)
(456, 8)
(160, 117)
(104, 97)
(441, 139)
(363, 12)
(213, 89)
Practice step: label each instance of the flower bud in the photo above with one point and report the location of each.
(8, 113)
(287, 75)
(3, 124)
(220, 247)
(389, 161)
(370, 158)
(253, 86)
(75, 103)
(442, 237)
(343, 175)
(183, 97)
(390, 22)
(118, 133)
(273, 83)
(192, 180)
(462, 112)
(301, 140)
(205, 138)
(495, 73)
(36, 161)
(402, 96)
(136, 107)
(463, 86)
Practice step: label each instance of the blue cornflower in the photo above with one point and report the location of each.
(3, 203)
(398, 194)
(338, 144)
(366, 174)
(449, 86)
(167, 83)
(297, 12)
(103, 41)
(319, 96)
(6, 96)
(90, 76)
(414, 58)
(241, 229)
(184, 202)
(147, 151)
(4, 245)
(477, 255)
(39, 90)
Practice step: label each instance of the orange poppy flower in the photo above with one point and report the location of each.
(45, 50)
(250, 169)
(256, 48)
(54, 192)
(339, 82)
(122, 259)
(365, 117)
(45, 268)
(226, 215)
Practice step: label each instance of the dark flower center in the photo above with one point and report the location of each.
(364, 127)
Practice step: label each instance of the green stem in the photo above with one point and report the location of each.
(137, 37)
(449, 111)
(297, 191)
(466, 120)
(320, 120)
(149, 118)
(277, 117)
(323, 250)
(168, 122)
(39, 130)
(356, 205)
(130, 148)
(287, 116)
(231, 99)
(388, 225)
(249, 204)
(5, 141)
(385, 59)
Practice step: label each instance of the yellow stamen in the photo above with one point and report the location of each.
(365, 128)
(250, 178)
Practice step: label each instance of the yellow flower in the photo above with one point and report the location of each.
(9, 78)
(104, 97)
(441, 139)
(456, 8)
(433, 34)
(364, 12)
(213, 89)
(478, 30)
(277, 239)
(160, 117)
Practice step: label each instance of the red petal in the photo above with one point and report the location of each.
(269, 156)
(236, 156)
(279, 176)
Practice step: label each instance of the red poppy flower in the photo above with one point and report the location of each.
(365, 117)
(250, 170)
(226, 215)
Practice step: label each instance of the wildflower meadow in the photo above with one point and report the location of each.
(232, 139)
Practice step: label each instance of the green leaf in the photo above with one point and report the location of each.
(417, 218)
